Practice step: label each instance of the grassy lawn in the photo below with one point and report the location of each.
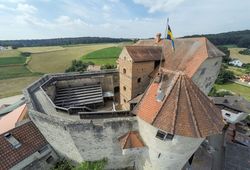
(9, 53)
(103, 56)
(40, 49)
(14, 86)
(237, 71)
(58, 61)
(15, 71)
(234, 53)
(12, 60)
(236, 88)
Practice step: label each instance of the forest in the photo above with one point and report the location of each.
(239, 38)
(60, 41)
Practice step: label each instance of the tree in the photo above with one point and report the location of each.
(226, 58)
(108, 66)
(78, 66)
(224, 76)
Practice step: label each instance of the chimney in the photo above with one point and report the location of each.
(158, 37)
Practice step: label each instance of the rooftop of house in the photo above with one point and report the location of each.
(9, 121)
(19, 143)
(174, 104)
(144, 53)
(131, 139)
(237, 103)
(188, 55)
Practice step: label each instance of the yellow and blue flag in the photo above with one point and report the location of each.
(170, 37)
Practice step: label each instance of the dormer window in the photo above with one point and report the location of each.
(12, 140)
(164, 136)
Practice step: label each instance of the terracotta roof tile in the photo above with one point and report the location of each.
(189, 53)
(31, 141)
(131, 139)
(184, 111)
(144, 53)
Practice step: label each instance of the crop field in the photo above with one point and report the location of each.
(14, 86)
(58, 61)
(15, 71)
(41, 49)
(236, 88)
(234, 53)
(12, 60)
(104, 56)
(9, 53)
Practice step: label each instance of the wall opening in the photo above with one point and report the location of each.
(124, 71)
(138, 80)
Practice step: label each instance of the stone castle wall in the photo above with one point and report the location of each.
(83, 140)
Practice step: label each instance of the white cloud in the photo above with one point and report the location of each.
(4, 7)
(159, 5)
(26, 8)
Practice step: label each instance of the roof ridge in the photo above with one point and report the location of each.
(167, 95)
(196, 127)
(176, 106)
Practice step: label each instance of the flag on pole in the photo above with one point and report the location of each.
(170, 36)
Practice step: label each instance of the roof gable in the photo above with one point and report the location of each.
(131, 139)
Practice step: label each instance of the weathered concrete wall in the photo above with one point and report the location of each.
(83, 140)
(206, 75)
(168, 154)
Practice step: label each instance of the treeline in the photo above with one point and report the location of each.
(239, 38)
(60, 41)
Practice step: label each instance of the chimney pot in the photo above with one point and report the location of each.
(158, 37)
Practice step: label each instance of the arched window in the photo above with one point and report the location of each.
(124, 71)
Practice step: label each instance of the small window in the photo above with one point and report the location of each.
(203, 71)
(124, 100)
(124, 71)
(227, 114)
(50, 159)
(160, 135)
(215, 64)
(124, 88)
(169, 136)
(43, 149)
(138, 80)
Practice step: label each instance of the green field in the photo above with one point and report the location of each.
(15, 71)
(9, 53)
(237, 71)
(103, 56)
(14, 86)
(236, 88)
(58, 61)
(234, 53)
(12, 60)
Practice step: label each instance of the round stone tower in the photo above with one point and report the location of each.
(174, 117)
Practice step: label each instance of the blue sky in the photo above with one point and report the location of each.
(30, 19)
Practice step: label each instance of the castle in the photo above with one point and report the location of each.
(151, 113)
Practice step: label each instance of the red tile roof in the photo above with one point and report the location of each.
(189, 53)
(184, 111)
(31, 141)
(144, 53)
(131, 139)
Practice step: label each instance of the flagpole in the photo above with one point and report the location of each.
(164, 44)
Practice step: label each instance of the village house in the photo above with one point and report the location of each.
(236, 62)
(24, 147)
(233, 108)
